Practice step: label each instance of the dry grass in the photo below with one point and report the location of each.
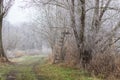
(102, 65)
(105, 66)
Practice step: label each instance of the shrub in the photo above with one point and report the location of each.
(102, 65)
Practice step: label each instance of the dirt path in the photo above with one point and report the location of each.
(12, 75)
(24, 70)
(34, 70)
(21, 72)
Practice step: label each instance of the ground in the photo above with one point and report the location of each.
(36, 68)
(20, 69)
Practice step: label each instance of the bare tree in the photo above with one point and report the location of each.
(4, 8)
(93, 15)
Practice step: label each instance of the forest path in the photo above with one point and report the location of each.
(12, 75)
(37, 68)
(22, 69)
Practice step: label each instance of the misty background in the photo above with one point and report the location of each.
(23, 25)
(19, 30)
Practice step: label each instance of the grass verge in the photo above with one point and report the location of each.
(54, 72)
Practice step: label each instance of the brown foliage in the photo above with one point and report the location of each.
(105, 66)
(102, 64)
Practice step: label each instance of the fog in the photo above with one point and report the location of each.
(26, 24)
(80, 34)
(19, 35)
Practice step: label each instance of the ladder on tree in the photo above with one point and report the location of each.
(60, 53)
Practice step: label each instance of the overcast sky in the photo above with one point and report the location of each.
(19, 13)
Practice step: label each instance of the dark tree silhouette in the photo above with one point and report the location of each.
(4, 8)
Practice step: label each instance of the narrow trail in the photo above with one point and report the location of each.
(12, 75)
(34, 70)
(24, 70)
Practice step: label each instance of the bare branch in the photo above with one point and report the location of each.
(104, 9)
(108, 8)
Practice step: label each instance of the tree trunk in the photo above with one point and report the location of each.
(82, 28)
(96, 21)
(73, 25)
(79, 37)
(2, 54)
